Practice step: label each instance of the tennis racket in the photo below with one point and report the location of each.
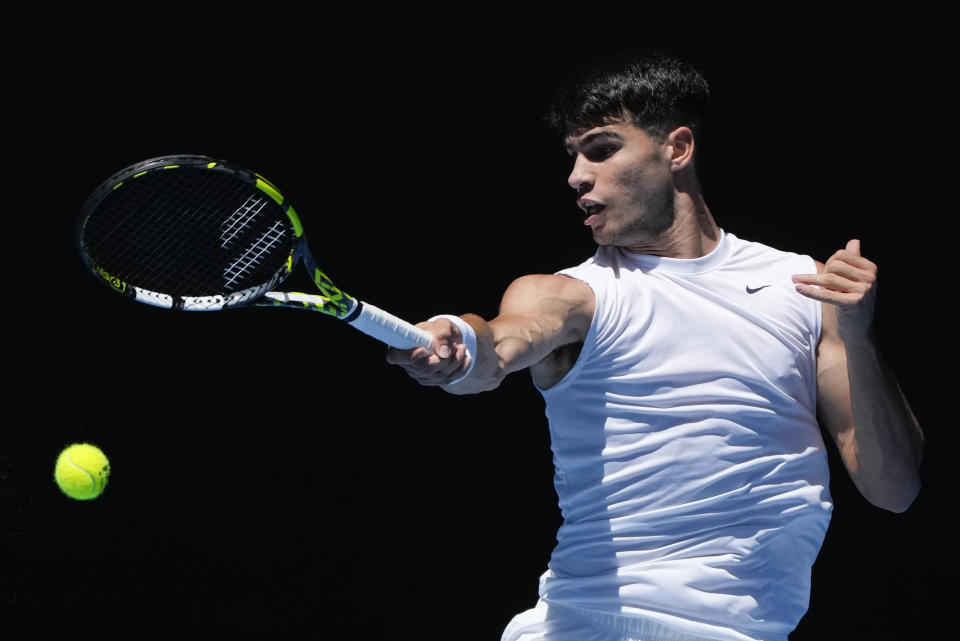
(191, 233)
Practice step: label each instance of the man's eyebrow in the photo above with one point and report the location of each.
(589, 138)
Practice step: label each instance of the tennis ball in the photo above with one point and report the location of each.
(82, 471)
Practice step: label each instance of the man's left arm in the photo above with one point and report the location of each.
(859, 401)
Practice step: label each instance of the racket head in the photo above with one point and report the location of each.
(189, 232)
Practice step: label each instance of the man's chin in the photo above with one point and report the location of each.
(603, 239)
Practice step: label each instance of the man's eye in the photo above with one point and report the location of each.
(600, 152)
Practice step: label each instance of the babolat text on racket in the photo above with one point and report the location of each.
(192, 233)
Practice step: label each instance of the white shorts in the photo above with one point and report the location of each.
(550, 623)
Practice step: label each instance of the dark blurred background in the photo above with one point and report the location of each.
(270, 471)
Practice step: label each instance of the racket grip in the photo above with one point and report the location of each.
(387, 328)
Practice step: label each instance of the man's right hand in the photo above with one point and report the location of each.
(447, 361)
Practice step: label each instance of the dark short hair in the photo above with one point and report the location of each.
(657, 91)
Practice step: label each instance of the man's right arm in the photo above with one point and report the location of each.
(538, 314)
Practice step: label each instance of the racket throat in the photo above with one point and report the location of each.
(355, 313)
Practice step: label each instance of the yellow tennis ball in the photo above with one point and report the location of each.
(82, 471)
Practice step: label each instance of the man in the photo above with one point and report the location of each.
(683, 371)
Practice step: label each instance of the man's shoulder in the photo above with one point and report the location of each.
(538, 286)
(752, 250)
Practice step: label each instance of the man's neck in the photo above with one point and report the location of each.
(694, 232)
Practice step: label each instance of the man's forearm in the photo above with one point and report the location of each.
(888, 440)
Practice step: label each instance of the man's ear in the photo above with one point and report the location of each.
(681, 145)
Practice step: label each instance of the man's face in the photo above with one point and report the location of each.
(624, 184)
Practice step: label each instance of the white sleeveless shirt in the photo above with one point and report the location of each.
(690, 469)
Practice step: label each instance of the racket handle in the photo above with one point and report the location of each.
(387, 328)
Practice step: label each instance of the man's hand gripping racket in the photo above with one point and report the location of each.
(192, 233)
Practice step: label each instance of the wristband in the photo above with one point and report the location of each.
(469, 339)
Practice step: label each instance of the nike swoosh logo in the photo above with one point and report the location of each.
(754, 290)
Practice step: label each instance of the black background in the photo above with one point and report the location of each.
(269, 469)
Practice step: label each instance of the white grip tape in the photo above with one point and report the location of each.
(469, 339)
(387, 328)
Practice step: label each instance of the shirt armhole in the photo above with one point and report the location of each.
(589, 341)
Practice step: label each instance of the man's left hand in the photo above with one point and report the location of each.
(849, 281)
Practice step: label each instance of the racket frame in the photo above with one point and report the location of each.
(332, 301)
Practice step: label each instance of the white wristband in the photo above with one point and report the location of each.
(469, 339)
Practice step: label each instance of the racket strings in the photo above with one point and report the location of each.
(153, 239)
(240, 219)
(254, 254)
(189, 232)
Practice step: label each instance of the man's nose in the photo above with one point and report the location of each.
(581, 176)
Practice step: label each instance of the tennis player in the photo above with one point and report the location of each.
(683, 370)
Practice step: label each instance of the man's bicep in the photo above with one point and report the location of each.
(538, 314)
